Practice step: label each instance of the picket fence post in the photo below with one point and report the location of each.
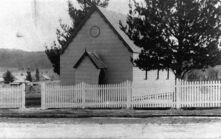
(83, 94)
(178, 95)
(43, 96)
(23, 96)
(129, 94)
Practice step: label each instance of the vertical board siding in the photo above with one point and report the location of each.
(11, 97)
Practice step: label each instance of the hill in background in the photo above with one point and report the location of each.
(13, 58)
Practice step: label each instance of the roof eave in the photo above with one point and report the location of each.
(75, 32)
(82, 57)
(119, 36)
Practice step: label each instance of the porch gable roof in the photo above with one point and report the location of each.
(99, 64)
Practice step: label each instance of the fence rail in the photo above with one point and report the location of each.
(86, 96)
(199, 94)
(162, 100)
(184, 95)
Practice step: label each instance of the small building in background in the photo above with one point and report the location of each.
(44, 77)
(1, 80)
(19, 79)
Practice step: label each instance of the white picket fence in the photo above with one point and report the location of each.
(161, 100)
(198, 94)
(125, 95)
(86, 96)
(12, 97)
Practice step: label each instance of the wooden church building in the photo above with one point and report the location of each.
(101, 53)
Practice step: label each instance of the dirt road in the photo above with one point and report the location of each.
(157, 128)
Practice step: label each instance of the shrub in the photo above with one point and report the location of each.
(28, 77)
(212, 74)
(8, 77)
(196, 75)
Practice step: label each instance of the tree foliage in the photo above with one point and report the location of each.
(180, 35)
(53, 54)
(28, 76)
(65, 33)
(37, 74)
(8, 77)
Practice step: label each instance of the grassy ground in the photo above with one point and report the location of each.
(111, 120)
(85, 113)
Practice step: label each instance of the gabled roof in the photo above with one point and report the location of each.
(94, 58)
(112, 19)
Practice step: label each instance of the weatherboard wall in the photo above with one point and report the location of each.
(107, 45)
(163, 82)
(82, 74)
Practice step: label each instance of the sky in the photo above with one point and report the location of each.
(24, 27)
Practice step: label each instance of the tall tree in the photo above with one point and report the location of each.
(65, 33)
(28, 76)
(37, 74)
(180, 35)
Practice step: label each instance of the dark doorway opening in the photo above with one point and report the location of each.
(102, 77)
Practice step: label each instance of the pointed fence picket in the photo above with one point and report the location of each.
(200, 94)
(86, 96)
(125, 95)
(12, 97)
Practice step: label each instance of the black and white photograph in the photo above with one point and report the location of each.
(119, 69)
